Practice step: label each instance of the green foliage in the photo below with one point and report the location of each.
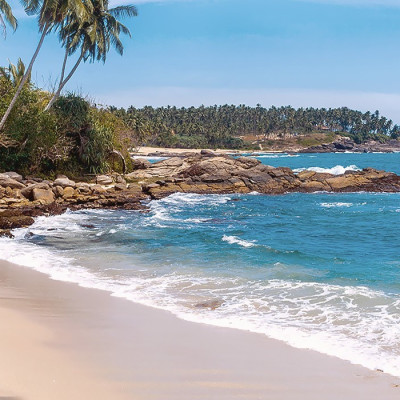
(230, 126)
(73, 138)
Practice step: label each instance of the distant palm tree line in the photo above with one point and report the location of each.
(89, 27)
(227, 125)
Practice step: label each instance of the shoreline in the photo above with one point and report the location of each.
(109, 346)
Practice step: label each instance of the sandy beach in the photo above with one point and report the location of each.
(144, 151)
(61, 341)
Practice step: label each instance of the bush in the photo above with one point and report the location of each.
(73, 138)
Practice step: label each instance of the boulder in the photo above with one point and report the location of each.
(68, 192)
(12, 175)
(27, 191)
(304, 175)
(15, 221)
(46, 196)
(120, 186)
(248, 162)
(98, 189)
(64, 182)
(83, 187)
(207, 153)
(58, 191)
(5, 181)
(140, 163)
(104, 180)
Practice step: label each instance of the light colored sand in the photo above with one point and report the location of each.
(147, 150)
(60, 341)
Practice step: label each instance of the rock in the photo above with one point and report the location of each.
(120, 186)
(58, 191)
(5, 181)
(46, 196)
(68, 192)
(304, 175)
(104, 180)
(207, 153)
(140, 163)
(64, 182)
(211, 304)
(248, 162)
(83, 187)
(98, 189)
(12, 175)
(120, 179)
(17, 221)
(27, 191)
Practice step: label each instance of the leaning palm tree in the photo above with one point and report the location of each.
(51, 14)
(93, 37)
(6, 15)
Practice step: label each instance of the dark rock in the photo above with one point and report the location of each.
(211, 304)
(207, 153)
(140, 163)
(13, 222)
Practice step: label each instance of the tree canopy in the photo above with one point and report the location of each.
(229, 125)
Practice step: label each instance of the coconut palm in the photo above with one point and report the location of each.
(6, 15)
(14, 73)
(93, 37)
(51, 14)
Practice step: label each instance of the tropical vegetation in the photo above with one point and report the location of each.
(42, 132)
(231, 126)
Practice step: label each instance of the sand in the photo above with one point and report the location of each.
(147, 150)
(60, 341)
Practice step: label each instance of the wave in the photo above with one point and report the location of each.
(277, 155)
(336, 204)
(353, 323)
(337, 170)
(240, 242)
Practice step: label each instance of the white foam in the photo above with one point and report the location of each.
(240, 242)
(277, 155)
(337, 170)
(351, 322)
(336, 204)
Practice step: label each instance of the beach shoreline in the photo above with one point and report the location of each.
(63, 341)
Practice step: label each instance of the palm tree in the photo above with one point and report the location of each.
(93, 37)
(51, 14)
(14, 73)
(6, 15)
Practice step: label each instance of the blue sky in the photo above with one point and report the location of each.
(190, 52)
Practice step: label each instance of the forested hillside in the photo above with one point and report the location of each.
(232, 126)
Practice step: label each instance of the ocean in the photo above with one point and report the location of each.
(318, 271)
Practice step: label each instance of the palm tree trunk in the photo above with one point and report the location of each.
(63, 67)
(24, 79)
(63, 83)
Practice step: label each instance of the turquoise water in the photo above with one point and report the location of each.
(319, 271)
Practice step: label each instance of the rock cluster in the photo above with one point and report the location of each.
(346, 144)
(224, 174)
(22, 199)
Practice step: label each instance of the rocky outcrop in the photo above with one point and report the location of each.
(224, 174)
(22, 199)
(346, 144)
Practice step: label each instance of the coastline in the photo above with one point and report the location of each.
(64, 341)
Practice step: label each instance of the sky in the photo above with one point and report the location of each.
(320, 53)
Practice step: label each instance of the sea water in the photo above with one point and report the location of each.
(318, 271)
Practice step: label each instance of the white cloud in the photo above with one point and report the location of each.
(386, 103)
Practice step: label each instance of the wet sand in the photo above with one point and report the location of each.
(60, 341)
